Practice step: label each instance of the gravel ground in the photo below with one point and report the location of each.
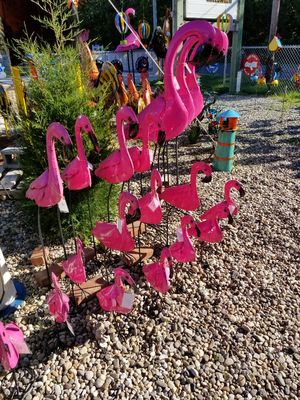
(229, 327)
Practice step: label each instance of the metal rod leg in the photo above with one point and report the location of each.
(91, 222)
(61, 233)
(154, 154)
(176, 160)
(108, 196)
(43, 247)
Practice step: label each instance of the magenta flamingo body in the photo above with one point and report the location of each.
(168, 110)
(116, 236)
(150, 204)
(12, 344)
(58, 301)
(132, 40)
(74, 265)
(183, 250)
(118, 166)
(47, 189)
(77, 174)
(114, 297)
(185, 196)
(158, 273)
(208, 228)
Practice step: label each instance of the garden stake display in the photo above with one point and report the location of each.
(224, 153)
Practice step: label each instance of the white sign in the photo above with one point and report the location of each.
(209, 9)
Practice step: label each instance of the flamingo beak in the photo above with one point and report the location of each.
(202, 54)
(159, 190)
(94, 140)
(207, 179)
(161, 138)
(133, 130)
(242, 192)
(130, 218)
(230, 219)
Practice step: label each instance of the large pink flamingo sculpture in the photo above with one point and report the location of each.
(116, 236)
(58, 301)
(47, 189)
(185, 196)
(114, 297)
(150, 204)
(168, 109)
(12, 344)
(158, 273)
(74, 265)
(208, 228)
(183, 250)
(77, 174)
(118, 166)
(132, 40)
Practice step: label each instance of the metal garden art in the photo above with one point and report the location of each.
(158, 124)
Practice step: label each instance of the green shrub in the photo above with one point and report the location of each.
(61, 93)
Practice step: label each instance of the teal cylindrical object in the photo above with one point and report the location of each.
(224, 153)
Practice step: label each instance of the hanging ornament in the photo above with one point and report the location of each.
(225, 23)
(120, 23)
(144, 30)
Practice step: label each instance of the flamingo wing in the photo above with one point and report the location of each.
(72, 169)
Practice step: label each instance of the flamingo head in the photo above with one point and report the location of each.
(130, 11)
(79, 246)
(234, 184)
(205, 168)
(58, 131)
(84, 124)
(133, 211)
(222, 211)
(120, 274)
(126, 114)
(166, 255)
(220, 46)
(156, 181)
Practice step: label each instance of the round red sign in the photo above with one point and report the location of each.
(251, 64)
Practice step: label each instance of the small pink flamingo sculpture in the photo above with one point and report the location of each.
(115, 298)
(74, 265)
(150, 204)
(183, 250)
(232, 184)
(118, 166)
(116, 236)
(158, 273)
(12, 344)
(168, 109)
(185, 196)
(132, 40)
(77, 174)
(47, 189)
(58, 302)
(208, 228)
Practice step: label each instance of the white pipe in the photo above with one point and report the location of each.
(8, 291)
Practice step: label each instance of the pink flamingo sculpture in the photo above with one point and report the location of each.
(185, 196)
(74, 265)
(118, 166)
(141, 156)
(132, 40)
(183, 250)
(208, 228)
(116, 236)
(115, 297)
(58, 302)
(47, 189)
(77, 174)
(158, 273)
(168, 109)
(150, 204)
(232, 184)
(12, 344)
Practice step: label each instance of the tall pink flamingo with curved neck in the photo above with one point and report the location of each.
(183, 250)
(168, 109)
(47, 189)
(150, 204)
(118, 166)
(12, 344)
(74, 265)
(158, 273)
(185, 196)
(116, 236)
(58, 301)
(132, 40)
(208, 228)
(114, 298)
(77, 174)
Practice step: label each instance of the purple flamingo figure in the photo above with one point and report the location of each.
(12, 344)
(115, 298)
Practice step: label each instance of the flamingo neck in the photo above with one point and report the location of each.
(51, 154)
(121, 136)
(181, 63)
(193, 180)
(227, 190)
(79, 144)
(155, 181)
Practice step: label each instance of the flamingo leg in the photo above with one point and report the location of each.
(108, 197)
(154, 154)
(61, 233)
(42, 243)
(71, 219)
(91, 222)
(176, 160)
